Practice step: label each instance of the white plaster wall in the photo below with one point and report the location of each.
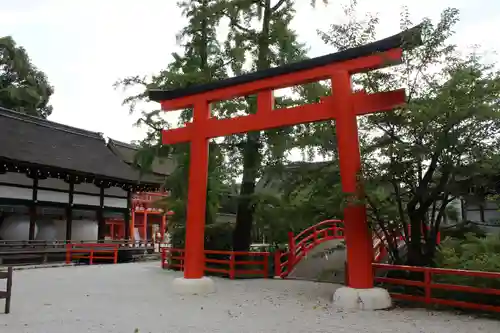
(118, 191)
(115, 202)
(60, 229)
(12, 192)
(16, 227)
(16, 178)
(55, 183)
(46, 230)
(88, 188)
(84, 230)
(52, 196)
(83, 199)
(80, 230)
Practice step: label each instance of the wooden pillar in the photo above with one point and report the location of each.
(69, 211)
(463, 209)
(163, 226)
(358, 235)
(481, 211)
(145, 225)
(126, 216)
(101, 223)
(32, 209)
(197, 195)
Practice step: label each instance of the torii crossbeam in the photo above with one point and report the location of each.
(343, 106)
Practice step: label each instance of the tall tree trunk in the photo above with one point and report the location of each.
(415, 244)
(242, 236)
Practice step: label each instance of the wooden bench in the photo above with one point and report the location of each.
(7, 293)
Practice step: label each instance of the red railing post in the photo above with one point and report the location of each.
(68, 253)
(115, 255)
(291, 250)
(346, 273)
(315, 236)
(427, 287)
(277, 263)
(91, 257)
(231, 266)
(168, 259)
(163, 255)
(183, 257)
(266, 265)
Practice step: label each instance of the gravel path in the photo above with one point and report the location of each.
(121, 298)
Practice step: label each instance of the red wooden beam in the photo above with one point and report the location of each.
(358, 65)
(326, 109)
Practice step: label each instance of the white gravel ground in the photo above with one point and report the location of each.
(122, 298)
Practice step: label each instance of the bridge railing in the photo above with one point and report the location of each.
(306, 240)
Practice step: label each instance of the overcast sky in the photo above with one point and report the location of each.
(85, 46)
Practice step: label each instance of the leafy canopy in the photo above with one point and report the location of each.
(23, 87)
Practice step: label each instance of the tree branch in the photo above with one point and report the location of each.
(239, 26)
(145, 121)
(278, 5)
(389, 238)
(399, 200)
(422, 186)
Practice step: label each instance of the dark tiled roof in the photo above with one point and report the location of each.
(161, 167)
(36, 141)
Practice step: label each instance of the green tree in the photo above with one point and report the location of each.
(296, 197)
(260, 31)
(201, 61)
(419, 158)
(204, 60)
(23, 87)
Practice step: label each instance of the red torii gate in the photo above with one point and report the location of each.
(343, 106)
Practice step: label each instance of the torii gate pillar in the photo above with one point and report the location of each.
(358, 236)
(343, 106)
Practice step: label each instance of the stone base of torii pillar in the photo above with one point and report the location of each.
(202, 286)
(362, 299)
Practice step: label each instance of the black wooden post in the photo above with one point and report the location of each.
(126, 218)
(32, 209)
(69, 211)
(101, 223)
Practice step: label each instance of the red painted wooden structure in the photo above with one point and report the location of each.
(91, 251)
(429, 289)
(343, 106)
(232, 264)
(143, 216)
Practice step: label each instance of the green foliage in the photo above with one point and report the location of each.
(461, 230)
(23, 87)
(218, 236)
(259, 37)
(259, 32)
(201, 61)
(297, 196)
(470, 253)
(416, 159)
(419, 158)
